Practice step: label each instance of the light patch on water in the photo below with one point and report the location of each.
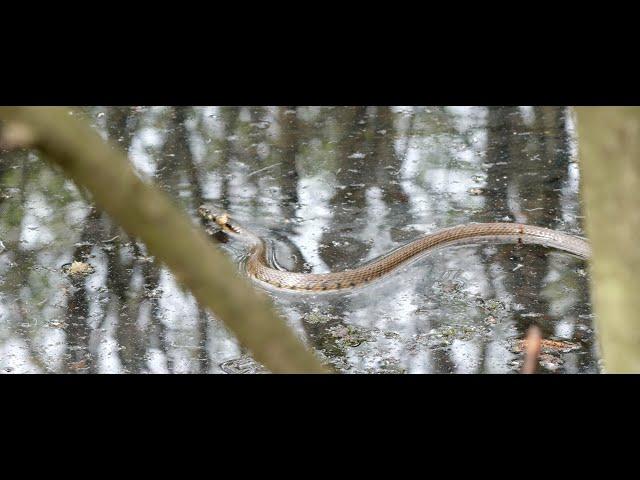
(513, 202)
(271, 208)
(454, 182)
(5, 315)
(466, 260)
(108, 360)
(98, 279)
(146, 139)
(467, 155)
(15, 357)
(467, 118)
(197, 145)
(420, 362)
(76, 213)
(557, 292)
(497, 276)
(211, 185)
(156, 361)
(51, 347)
(426, 187)
(570, 194)
(36, 232)
(183, 353)
(528, 115)
(314, 209)
(498, 357)
(221, 346)
(376, 228)
(405, 110)
(572, 132)
(180, 309)
(465, 355)
(241, 190)
(412, 163)
(553, 275)
(564, 329)
(210, 117)
(421, 207)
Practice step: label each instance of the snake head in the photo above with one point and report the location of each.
(221, 219)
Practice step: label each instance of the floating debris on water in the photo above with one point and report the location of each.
(78, 268)
(242, 365)
(550, 362)
(350, 335)
(549, 346)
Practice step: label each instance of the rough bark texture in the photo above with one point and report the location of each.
(609, 143)
(145, 212)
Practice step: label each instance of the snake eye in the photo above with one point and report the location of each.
(222, 219)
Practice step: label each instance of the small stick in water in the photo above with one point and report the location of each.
(533, 344)
(263, 169)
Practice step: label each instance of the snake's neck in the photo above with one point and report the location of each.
(257, 252)
(257, 263)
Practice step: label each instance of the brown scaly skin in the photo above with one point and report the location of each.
(258, 268)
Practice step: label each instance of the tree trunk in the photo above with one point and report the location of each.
(609, 143)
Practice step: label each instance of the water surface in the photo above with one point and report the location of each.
(329, 187)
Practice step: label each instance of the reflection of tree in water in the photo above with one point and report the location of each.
(525, 173)
(365, 158)
(77, 329)
(347, 202)
(125, 258)
(229, 117)
(177, 164)
(288, 143)
(287, 147)
(121, 264)
(388, 164)
(17, 277)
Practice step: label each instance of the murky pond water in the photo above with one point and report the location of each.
(329, 187)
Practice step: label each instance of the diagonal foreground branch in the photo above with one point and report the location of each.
(147, 213)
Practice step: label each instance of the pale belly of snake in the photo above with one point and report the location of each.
(258, 268)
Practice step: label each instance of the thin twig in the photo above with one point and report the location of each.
(263, 169)
(533, 345)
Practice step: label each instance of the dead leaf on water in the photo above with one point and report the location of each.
(78, 268)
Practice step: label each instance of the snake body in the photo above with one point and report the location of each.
(259, 269)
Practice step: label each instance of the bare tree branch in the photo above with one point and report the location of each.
(145, 212)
